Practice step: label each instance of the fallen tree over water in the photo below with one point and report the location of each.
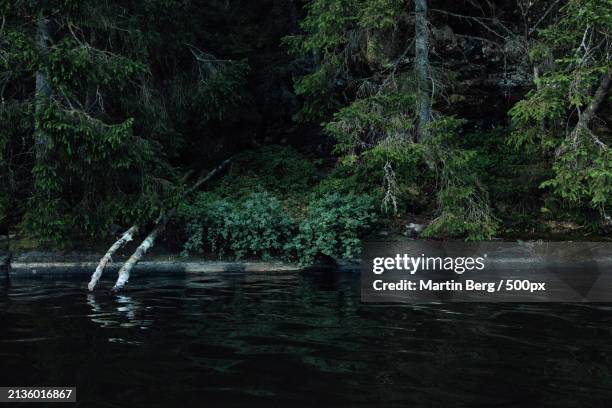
(149, 241)
(125, 238)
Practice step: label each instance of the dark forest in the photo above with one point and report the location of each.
(293, 129)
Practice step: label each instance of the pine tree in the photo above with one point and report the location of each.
(560, 116)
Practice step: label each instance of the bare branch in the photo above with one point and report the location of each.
(546, 13)
(479, 20)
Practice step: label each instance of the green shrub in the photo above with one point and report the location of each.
(462, 213)
(333, 227)
(257, 226)
(280, 170)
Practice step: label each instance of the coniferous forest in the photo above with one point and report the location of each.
(296, 128)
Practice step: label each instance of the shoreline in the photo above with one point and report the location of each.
(48, 263)
(36, 263)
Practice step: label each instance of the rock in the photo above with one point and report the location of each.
(607, 223)
(413, 230)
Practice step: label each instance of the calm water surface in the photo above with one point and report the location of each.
(286, 340)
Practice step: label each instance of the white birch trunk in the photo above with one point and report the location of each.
(125, 238)
(149, 241)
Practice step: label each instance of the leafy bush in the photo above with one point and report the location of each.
(257, 226)
(280, 170)
(333, 227)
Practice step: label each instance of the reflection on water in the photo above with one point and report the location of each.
(297, 339)
(120, 311)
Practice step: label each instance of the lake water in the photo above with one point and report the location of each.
(287, 339)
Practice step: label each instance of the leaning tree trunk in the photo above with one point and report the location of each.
(43, 92)
(598, 98)
(149, 241)
(422, 69)
(587, 116)
(124, 272)
(125, 238)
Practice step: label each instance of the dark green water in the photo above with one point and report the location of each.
(286, 340)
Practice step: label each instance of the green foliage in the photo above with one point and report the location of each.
(328, 24)
(77, 187)
(370, 120)
(347, 178)
(316, 89)
(462, 213)
(510, 176)
(463, 209)
(143, 92)
(123, 86)
(374, 126)
(380, 14)
(258, 225)
(255, 226)
(584, 173)
(340, 36)
(374, 133)
(72, 68)
(18, 55)
(280, 170)
(234, 220)
(529, 116)
(17, 124)
(333, 227)
(326, 21)
(574, 55)
(213, 92)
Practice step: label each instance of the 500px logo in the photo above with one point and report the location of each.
(412, 264)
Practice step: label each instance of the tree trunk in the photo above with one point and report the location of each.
(422, 70)
(125, 238)
(149, 241)
(598, 98)
(205, 179)
(589, 113)
(42, 142)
